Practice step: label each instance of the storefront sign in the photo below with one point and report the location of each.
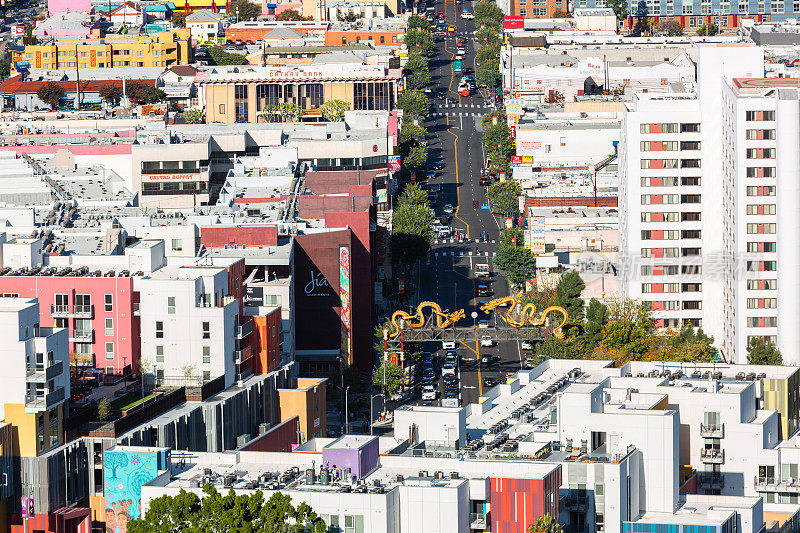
(537, 240)
(169, 177)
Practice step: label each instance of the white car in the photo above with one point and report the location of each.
(483, 324)
(467, 16)
(526, 345)
(486, 340)
(428, 392)
(448, 209)
(449, 345)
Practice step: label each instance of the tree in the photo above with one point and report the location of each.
(416, 158)
(505, 196)
(414, 194)
(188, 513)
(558, 14)
(394, 377)
(289, 14)
(708, 29)
(103, 409)
(193, 116)
(289, 111)
(221, 57)
(760, 352)
(418, 22)
(631, 310)
(411, 232)
(516, 262)
(568, 293)
(179, 19)
(5, 65)
(596, 317)
(244, 10)
(545, 524)
(50, 93)
(111, 94)
(416, 71)
(670, 28)
(419, 41)
(626, 337)
(487, 12)
(349, 17)
(413, 103)
(620, 8)
(555, 97)
(496, 133)
(555, 348)
(141, 93)
(333, 110)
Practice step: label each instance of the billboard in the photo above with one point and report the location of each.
(513, 23)
(344, 296)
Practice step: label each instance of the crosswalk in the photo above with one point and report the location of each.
(434, 115)
(456, 241)
(463, 254)
(462, 106)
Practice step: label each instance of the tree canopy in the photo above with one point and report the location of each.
(418, 22)
(568, 293)
(419, 41)
(416, 71)
(545, 524)
(221, 57)
(513, 258)
(50, 93)
(333, 110)
(111, 94)
(413, 103)
(505, 196)
(244, 513)
(760, 352)
(142, 93)
(394, 377)
(244, 10)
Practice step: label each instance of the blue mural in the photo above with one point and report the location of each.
(125, 473)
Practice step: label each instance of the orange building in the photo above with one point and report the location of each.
(341, 38)
(267, 342)
(307, 402)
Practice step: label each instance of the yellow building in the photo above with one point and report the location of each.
(165, 49)
(307, 402)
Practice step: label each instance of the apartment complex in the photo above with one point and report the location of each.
(165, 49)
(699, 224)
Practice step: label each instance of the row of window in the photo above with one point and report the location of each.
(675, 305)
(84, 300)
(762, 322)
(659, 199)
(667, 146)
(760, 153)
(752, 116)
(670, 163)
(671, 270)
(160, 354)
(670, 181)
(670, 217)
(675, 323)
(762, 284)
(670, 234)
(656, 253)
(761, 190)
(761, 247)
(762, 303)
(761, 172)
(761, 209)
(760, 229)
(760, 135)
(692, 127)
(648, 288)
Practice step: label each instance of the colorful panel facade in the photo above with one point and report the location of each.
(517, 503)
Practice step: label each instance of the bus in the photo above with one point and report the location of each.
(458, 67)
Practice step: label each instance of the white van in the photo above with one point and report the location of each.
(443, 231)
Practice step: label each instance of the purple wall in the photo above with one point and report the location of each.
(361, 460)
(61, 6)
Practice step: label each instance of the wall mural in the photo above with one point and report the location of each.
(125, 473)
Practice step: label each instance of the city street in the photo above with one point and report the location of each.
(448, 275)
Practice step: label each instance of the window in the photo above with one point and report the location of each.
(762, 284)
(658, 128)
(109, 350)
(83, 303)
(689, 181)
(109, 327)
(108, 300)
(159, 354)
(159, 330)
(690, 198)
(353, 524)
(690, 145)
(690, 234)
(761, 247)
(371, 96)
(177, 245)
(221, 106)
(691, 287)
(690, 163)
(692, 305)
(761, 172)
(206, 354)
(762, 321)
(170, 305)
(760, 153)
(523, 12)
(751, 116)
(761, 228)
(758, 135)
(206, 330)
(762, 303)
(762, 266)
(240, 103)
(660, 182)
(764, 190)
(658, 146)
(690, 127)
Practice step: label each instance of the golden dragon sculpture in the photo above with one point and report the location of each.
(526, 314)
(417, 320)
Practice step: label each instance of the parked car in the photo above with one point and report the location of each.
(434, 187)
(449, 368)
(448, 208)
(486, 340)
(428, 392)
(483, 324)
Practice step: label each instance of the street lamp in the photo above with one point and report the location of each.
(346, 413)
(371, 410)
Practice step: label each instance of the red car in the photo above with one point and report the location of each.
(465, 91)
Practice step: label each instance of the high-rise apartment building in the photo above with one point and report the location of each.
(699, 220)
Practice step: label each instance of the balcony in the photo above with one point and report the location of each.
(773, 484)
(712, 431)
(83, 311)
(81, 336)
(477, 521)
(711, 456)
(46, 374)
(711, 480)
(572, 503)
(42, 402)
(244, 330)
(238, 356)
(60, 311)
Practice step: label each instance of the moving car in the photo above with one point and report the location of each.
(467, 16)
(434, 187)
(526, 345)
(443, 232)
(488, 358)
(489, 381)
(486, 340)
(449, 368)
(449, 345)
(482, 290)
(448, 208)
(428, 392)
(483, 324)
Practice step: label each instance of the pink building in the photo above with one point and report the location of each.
(63, 6)
(101, 314)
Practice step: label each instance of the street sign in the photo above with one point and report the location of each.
(394, 162)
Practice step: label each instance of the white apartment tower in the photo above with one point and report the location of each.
(698, 216)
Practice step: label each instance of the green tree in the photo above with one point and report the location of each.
(620, 8)
(558, 14)
(760, 352)
(555, 348)
(488, 12)
(515, 261)
(411, 133)
(416, 71)
(394, 377)
(419, 41)
(5, 65)
(103, 409)
(505, 196)
(708, 29)
(632, 310)
(193, 116)
(244, 10)
(568, 293)
(221, 57)
(111, 94)
(596, 317)
(418, 22)
(670, 28)
(488, 36)
(545, 524)
(411, 232)
(496, 133)
(141, 93)
(289, 14)
(333, 110)
(349, 17)
(413, 103)
(178, 19)
(416, 158)
(414, 194)
(50, 93)
(289, 111)
(487, 70)
(625, 336)
(188, 513)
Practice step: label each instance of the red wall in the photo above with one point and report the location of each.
(126, 326)
(249, 235)
(517, 503)
(278, 439)
(574, 201)
(338, 181)
(266, 342)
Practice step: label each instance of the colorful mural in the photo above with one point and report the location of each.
(125, 473)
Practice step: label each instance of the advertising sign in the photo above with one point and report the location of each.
(537, 234)
(394, 162)
(513, 23)
(344, 295)
(253, 296)
(19, 65)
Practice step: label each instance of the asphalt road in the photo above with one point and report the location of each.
(448, 275)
